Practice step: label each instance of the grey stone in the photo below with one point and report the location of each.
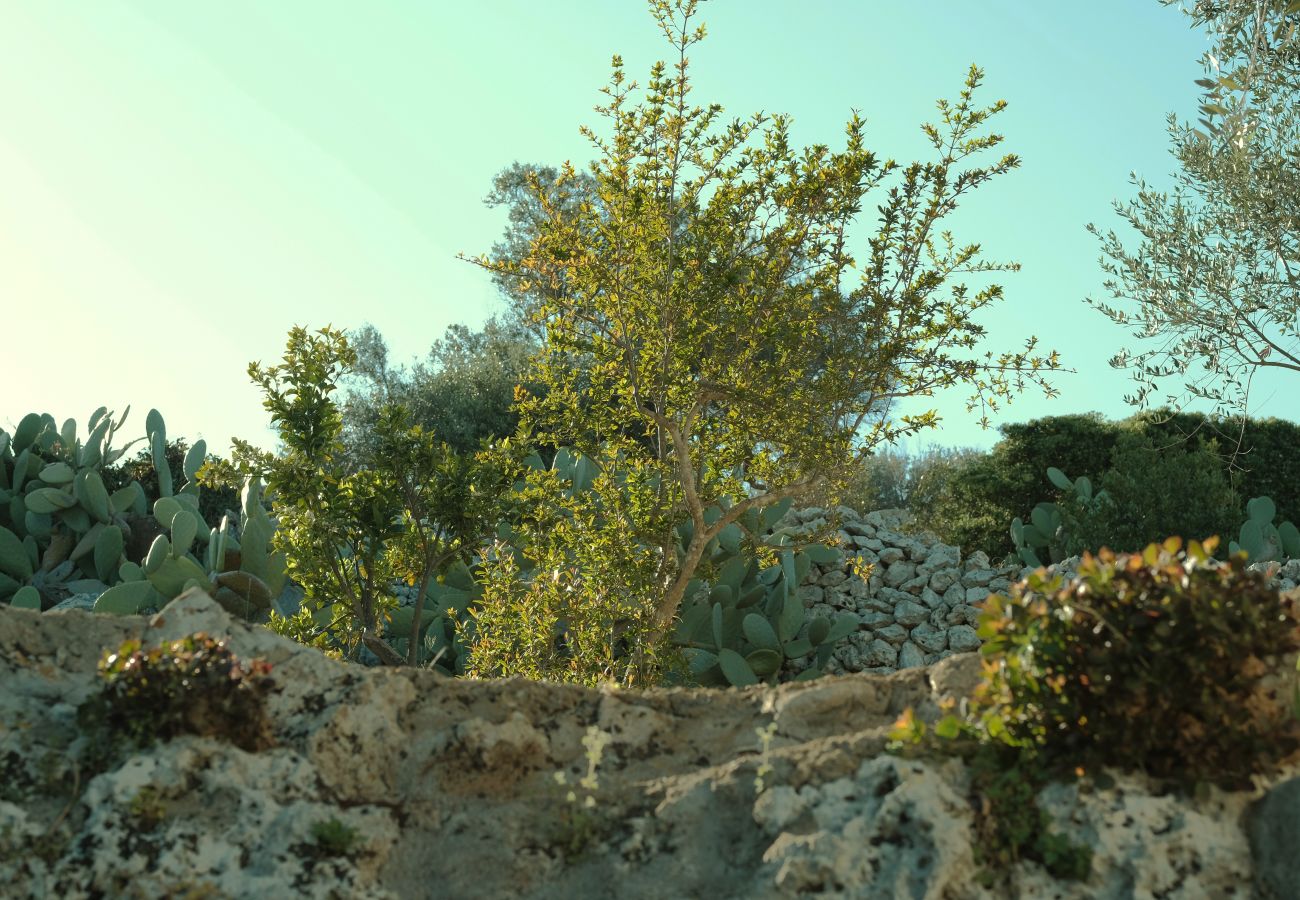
(970, 615)
(875, 619)
(977, 578)
(929, 638)
(962, 639)
(931, 599)
(890, 555)
(833, 577)
(893, 596)
(879, 604)
(916, 585)
(893, 633)
(880, 653)
(1273, 829)
(976, 595)
(810, 594)
(943, 556)
(954, 595)
(910, 613)
(944, 579)
(976, 561)
(910, 657)
(1000, 585)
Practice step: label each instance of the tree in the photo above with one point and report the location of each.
(348, 532)
(680, 302)
(463, 391)
(1214, 275)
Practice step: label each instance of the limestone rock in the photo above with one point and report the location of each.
(401, 783)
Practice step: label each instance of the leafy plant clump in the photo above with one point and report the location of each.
(194, 685)
(1148, 661)
(334, 838)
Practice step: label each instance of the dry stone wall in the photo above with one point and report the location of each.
(923, 601)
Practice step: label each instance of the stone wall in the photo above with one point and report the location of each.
(922, 601)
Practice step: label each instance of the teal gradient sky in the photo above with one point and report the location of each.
(180, 183)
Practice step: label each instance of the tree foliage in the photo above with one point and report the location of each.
(348, 532)
(1210, 290)
(707, 324)
(463, 391)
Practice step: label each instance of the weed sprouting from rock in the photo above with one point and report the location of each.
(194, 685)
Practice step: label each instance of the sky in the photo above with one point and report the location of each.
(182, 183)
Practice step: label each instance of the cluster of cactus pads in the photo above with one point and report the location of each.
(1045, 532)
(1261, 539)
(62, 533)
(743, 626)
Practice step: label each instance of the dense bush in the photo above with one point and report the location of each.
(983, 496)
(1083, 672)
(1153, 494)
(1159, 466)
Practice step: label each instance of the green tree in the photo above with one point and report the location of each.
(703, 344)
(463, 390)
(348, 532)
(1212, 283)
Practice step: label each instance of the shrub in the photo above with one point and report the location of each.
(980, 499)
(1182, 490)
(1150, 661)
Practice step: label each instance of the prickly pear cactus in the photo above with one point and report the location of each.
(61, 532)
(1261, 540)
(241, 571)
(1046, 534)
(741, 627)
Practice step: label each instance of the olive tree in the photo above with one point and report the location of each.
(1210, 289)
(712, 339)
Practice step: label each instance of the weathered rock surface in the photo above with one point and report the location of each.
(452, 788)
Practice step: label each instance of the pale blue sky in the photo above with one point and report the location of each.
(180, 183)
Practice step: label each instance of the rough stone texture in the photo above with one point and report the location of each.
(1274, 833)
(451, 787)
(920, 586)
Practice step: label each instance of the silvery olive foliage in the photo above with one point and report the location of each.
(1210, 290)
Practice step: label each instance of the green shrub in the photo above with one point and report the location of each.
(1181, 490)
(1148, 661)
(333, 838)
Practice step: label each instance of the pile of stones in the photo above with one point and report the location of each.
(922, 602)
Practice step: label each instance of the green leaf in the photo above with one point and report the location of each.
(735, 668)
(27, 597)
(764, 662)
(1057, 477)
(759, 632)
(128, 598)
(948, 727)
